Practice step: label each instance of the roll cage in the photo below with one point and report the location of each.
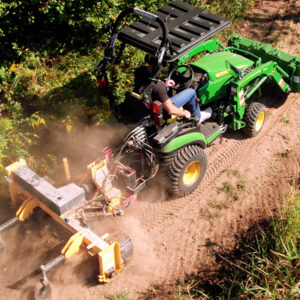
(167, 34)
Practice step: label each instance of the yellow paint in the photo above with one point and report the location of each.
(228, 70)
(257, 72)
(13, 186)
(26, 209)
(116, 202)
(222, 73)
(73, 245)
(260, 121)
(66, 169)
(136, 95)
(109, 259)
(173, 117)
(192, 173)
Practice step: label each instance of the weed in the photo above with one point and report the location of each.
(284, 153)
(120, 296)
(285, 120)
(229, 189)
(205, 262)
(234, 172)
(208, 214)
(276, 39)
(255, 25)
(217, 204)
(242, 183)
(173, 213)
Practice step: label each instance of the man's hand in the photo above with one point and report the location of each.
(173, 110)
(187, 114)
(169, 83)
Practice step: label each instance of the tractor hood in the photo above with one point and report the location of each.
(216, 66)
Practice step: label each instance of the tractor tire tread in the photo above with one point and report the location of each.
(250, 118)
(176, 164)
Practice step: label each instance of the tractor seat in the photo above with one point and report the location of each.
(133, 108)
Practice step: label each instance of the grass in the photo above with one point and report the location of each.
(242, 183)
(209, 214)
(267, 267)
(120, 296)
(284, 153)
(234, 172)
(217, 204)
(173, 213)
(285, 120)
(228, 188)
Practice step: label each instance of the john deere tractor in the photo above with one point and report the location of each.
(225, 78)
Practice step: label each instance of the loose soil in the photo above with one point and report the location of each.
(245, 183)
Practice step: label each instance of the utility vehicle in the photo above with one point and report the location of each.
(225, 78)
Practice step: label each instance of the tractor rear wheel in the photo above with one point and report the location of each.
(186, 169)
(254, 118)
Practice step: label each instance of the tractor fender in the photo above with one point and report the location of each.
(197, 138)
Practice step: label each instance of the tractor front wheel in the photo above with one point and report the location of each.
(186, 169)
(254, 118)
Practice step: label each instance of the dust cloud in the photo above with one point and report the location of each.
(77, 277)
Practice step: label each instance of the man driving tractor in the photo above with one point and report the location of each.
(171, 105)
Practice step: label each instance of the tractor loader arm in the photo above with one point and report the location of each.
(244, 88)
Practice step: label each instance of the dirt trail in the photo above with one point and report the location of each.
(172, 238)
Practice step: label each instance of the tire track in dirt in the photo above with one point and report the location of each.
(198, 249)
(222, 157)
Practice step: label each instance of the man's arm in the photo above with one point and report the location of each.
(173, 110)
(160, 93)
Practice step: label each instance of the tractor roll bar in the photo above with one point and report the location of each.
(145, 14)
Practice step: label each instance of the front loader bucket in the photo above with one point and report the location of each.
(289, 63)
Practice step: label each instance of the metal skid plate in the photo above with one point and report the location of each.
(59, 200)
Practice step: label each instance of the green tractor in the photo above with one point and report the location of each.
(225, 78)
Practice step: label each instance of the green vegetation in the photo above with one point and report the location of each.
(120, 296)
(233, 190)
(285, 120)
(217, 204)
(266, 267)
(229, 189)
(284, 153)
(47, 56)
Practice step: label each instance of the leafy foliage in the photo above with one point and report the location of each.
(48, 51)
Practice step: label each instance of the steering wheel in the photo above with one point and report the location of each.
(183, 80)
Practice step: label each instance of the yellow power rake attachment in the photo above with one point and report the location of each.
(69, 206)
